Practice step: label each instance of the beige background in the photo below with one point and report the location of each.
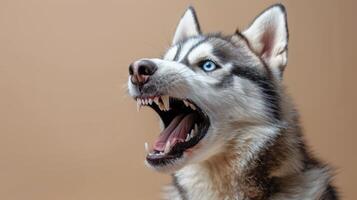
(68, 131)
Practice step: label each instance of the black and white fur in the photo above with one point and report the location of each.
(254, 148)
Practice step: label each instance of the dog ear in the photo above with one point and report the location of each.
(268, 37)
(187, 27)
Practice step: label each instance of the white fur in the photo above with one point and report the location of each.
(237, 113)
(194, 176)
(170, 54)
(187, 27)
(187, 46)
(182, 82)
(201, 52)
(271, 25)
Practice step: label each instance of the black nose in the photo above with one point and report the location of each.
(140, 71)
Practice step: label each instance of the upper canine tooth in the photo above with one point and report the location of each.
(196, 128)
(166, 100)
(150, 101)
(156, 100)
(161, 106)
(186, 103)
(192, 106)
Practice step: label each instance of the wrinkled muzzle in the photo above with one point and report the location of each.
(163, 86)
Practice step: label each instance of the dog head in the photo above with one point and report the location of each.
(206, 84)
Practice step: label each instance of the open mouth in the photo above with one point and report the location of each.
(184, 126)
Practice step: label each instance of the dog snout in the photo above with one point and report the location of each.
(141, 70)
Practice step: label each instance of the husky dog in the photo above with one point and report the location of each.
(229, 130)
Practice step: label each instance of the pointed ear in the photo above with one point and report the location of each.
(268, 37)
(187, 27)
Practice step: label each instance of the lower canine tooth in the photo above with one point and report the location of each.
(196, 128)
(187, 137)
(167, 147)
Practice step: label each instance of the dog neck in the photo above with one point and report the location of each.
(215, 178)
(231, 173)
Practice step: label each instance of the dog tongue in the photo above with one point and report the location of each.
(175, 132)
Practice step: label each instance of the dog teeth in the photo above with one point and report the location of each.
(186, 103)
(166, 100)
(187, 137)
(163, 102)
(192, 106)
(145, 102)
(167, 147)
(159, 103)
(156, 100)
(192, 134)
(161, 106)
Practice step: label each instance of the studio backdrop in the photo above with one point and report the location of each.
(68, 129)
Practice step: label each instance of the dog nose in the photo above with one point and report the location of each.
(140, 71)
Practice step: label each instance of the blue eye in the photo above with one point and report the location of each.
(208, 65)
